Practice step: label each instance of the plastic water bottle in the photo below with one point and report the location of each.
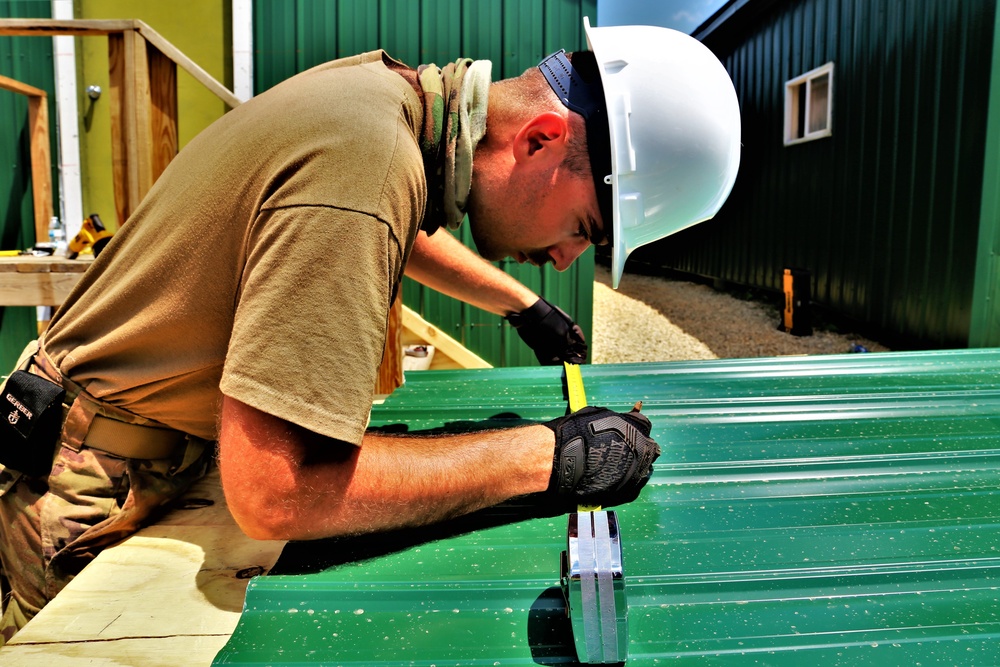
(57, 236)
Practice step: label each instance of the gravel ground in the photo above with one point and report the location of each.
(657, 319)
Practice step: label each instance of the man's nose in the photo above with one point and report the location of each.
(565, 253)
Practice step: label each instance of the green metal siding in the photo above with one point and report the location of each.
(985, 326)
(515, 35)
(832, 510)
(28, 60)
(885, 213)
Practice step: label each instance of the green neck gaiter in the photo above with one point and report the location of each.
(455, 101)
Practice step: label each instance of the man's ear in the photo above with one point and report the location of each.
(544, 136)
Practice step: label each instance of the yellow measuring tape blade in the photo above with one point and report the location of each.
(577, 401)
(574, 387)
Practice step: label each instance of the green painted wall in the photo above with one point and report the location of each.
(201, 31)
(985, 327)
(28, 60)
(294, 35)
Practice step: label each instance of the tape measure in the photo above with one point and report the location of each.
(577, 400)
(592, 579)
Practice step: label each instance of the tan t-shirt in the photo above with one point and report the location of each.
(262, 262)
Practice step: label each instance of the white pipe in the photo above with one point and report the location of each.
(243, 49)
(67, 124)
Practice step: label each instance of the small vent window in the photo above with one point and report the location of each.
(809, 105)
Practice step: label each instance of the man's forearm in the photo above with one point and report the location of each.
(443, 263)
(416, 480)
(278, 487)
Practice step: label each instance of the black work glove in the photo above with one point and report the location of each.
(602, 457)
(550, 333)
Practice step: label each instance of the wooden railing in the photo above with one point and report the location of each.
(41, 157)
(143, 91)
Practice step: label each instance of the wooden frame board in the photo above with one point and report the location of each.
(41, 157)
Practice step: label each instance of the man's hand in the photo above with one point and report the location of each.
(601, 457)
(550, 333)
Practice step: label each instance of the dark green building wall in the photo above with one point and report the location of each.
(885, 212)
(294, 35)
(985, 327)
(28, 60)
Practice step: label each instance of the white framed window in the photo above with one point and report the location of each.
(809, 105)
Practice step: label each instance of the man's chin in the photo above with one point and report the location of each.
(489, 254)
(486, 249)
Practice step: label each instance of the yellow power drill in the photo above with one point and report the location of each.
(93, 235)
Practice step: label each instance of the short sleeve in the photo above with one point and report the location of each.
(311, 318)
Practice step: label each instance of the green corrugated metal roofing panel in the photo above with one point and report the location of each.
(811, 510)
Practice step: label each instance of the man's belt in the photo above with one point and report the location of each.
(112, 436)
(133, 441)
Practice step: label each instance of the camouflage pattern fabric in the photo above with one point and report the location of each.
(455, 101)
(51, 527)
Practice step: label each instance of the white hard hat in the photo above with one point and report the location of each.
(674, 125)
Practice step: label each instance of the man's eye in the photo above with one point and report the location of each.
(597, 235)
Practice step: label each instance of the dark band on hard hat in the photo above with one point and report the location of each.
(578, 86)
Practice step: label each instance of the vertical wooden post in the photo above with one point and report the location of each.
(390, 373)
(138, 141)
(116, 99)
(143, 93)
(41, 156)
(41, 164)
(163, 109)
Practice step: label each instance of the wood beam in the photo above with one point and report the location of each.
(52, 27)
(137, 118)
(41, 165)
(116, 100)
(15, 86)
(143, 99)
(190, 66)
(424, 331)
(38, 281)
(41, 155)
(84, 27)
(390, 372)
(162, 110)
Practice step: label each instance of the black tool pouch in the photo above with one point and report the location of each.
(30, 422)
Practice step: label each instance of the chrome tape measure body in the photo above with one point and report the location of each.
(591, 574)
(594, 586)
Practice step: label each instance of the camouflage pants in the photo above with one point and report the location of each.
(51, 527)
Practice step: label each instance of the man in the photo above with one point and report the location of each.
(246, 301)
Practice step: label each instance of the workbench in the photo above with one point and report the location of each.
(169, 595)
(28, 280)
